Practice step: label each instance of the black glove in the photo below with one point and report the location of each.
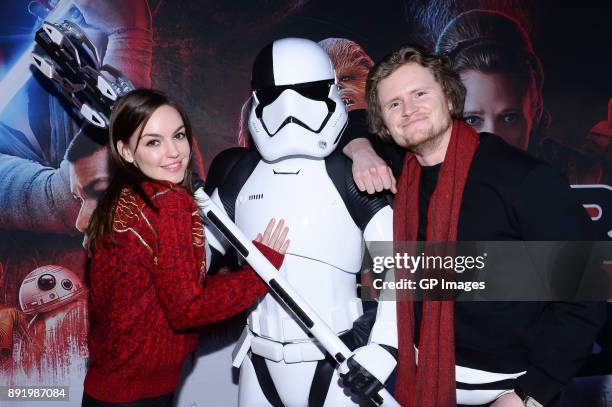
(366, 382)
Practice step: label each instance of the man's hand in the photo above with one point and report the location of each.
(370, 172)
(367, 370)
(508, 400)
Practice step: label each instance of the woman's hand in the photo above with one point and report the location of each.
(275, 238)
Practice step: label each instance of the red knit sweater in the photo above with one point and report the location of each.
(148, 289)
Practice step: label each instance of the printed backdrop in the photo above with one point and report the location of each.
(537, 74)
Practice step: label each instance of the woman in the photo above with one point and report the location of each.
(502, 74)
(148, 283)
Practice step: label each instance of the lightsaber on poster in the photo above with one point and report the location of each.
(66, 56)
(74, 66)
(19, 73)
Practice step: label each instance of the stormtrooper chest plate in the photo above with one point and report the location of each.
(299, 191)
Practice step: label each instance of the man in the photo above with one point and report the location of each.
(457, 185)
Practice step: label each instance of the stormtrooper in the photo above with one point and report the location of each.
(296, 120)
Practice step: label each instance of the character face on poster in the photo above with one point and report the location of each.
(352, 65)
(502, 74)
(89, 177)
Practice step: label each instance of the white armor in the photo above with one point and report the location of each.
(291, 182)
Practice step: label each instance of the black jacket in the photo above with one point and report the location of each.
(509, 195)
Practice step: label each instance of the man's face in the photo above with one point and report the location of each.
(89, 177)
(414, 107)
(496, 104)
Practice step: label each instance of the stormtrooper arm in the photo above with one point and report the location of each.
(378, 232)
(369, 368)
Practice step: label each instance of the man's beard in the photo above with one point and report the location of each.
(432, 139)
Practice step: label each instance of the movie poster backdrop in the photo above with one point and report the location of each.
(537, 74)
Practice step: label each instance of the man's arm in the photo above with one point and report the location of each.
(370, 172)
(561, 340)
(35, 197)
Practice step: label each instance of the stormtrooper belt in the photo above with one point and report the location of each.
(295, 352)
(289, 353)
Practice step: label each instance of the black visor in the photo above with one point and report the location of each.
(318, 90)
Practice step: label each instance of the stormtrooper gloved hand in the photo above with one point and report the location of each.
(368, 369)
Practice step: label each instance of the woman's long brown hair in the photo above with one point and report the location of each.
(130, 116)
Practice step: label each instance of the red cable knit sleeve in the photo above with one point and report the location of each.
(185, 302)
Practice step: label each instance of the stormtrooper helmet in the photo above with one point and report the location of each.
(296, 108)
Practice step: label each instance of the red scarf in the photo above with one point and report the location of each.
(432, 383)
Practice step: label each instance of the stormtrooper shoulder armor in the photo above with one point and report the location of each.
(361, 206)
(228, 172)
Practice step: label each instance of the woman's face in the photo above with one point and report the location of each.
(163, 151)
(496, 103)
